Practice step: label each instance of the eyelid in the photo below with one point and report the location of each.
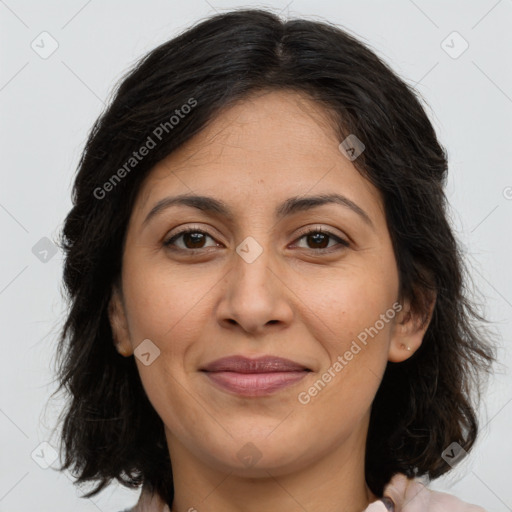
(311, 229)
(184, 231)
(318, 228)
(342, 242)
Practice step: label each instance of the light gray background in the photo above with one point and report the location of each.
(48, 106)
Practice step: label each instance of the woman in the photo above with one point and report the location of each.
(267, 307)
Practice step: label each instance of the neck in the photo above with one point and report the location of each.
(334, 482)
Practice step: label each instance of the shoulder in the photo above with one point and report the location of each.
(408, 495)
(411, 495)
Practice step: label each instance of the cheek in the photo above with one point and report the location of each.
(355, 316)
(353, 301)
(163, 302)
(163, 306)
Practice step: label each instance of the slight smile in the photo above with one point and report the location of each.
(254, 377)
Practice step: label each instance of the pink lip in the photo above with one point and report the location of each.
(254, 377)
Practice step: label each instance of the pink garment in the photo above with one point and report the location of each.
(408, 495)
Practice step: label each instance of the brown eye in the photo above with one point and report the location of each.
(191, 239)
(318, 240)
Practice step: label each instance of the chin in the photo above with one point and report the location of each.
(254, 456)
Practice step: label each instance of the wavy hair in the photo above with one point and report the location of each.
(109, 428)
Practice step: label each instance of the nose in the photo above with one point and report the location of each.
(255, 297)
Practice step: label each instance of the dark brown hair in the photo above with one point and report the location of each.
(110, 430)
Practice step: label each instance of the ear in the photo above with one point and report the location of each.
(118, 323)
(408, 331)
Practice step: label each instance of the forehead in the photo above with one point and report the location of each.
(271, 145)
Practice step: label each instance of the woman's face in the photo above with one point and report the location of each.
(250, 282)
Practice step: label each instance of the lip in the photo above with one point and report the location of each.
(263, 364)
(254, 376)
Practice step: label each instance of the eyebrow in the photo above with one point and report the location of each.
(289, 207)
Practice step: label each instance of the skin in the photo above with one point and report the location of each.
(292, 301)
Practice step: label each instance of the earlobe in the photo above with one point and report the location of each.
(408, 332)
(118, 324)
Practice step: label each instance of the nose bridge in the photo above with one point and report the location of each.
(253, 297)
(253, 257)
(255, 248)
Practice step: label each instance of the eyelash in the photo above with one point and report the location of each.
(169, 243)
